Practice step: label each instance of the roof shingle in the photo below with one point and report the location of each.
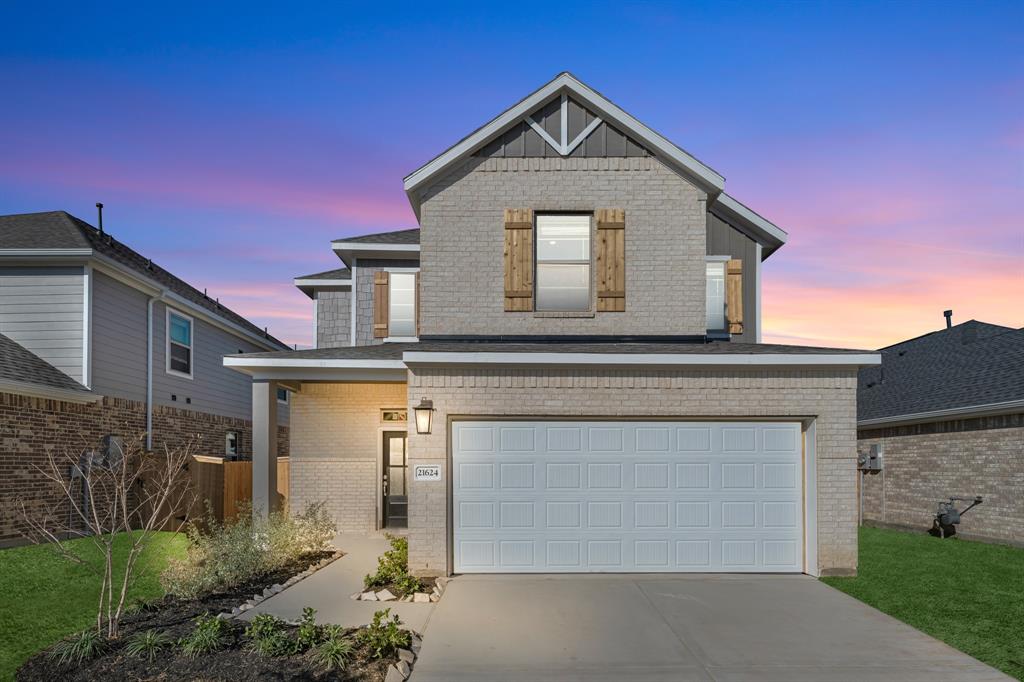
(18, 363)
(410, 236)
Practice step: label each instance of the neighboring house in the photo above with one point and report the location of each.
(944, 416)
(98, 340)
(579, 318)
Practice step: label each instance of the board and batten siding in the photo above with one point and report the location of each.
(118, 339)
(213, 387)
(725, 240)
(42, 308)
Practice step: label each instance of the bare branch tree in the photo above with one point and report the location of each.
(123, 492)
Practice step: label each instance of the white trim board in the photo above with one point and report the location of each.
(645, 359)
(322, 283)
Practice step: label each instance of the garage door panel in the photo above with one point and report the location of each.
(628, 496)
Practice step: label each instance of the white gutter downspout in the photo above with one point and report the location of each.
(353, 303)
(149, 373)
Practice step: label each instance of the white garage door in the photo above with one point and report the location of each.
(564, 497)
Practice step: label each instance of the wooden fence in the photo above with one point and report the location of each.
(226, 484)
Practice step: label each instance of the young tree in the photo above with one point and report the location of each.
(118, 491)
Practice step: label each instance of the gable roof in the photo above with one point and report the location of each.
(22, 371)
(677, 158)
(970, 365)
(409, 236)
(340, 277)
(61, 231)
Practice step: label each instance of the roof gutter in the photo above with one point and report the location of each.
(644, 360)
(49, 392)
(985, 410)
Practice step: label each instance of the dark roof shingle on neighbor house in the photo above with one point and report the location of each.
(61, 230)
(970, 364)
(410, 236)
(340, 273)
(19, 364)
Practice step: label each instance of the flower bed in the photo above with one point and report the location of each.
(172, 623)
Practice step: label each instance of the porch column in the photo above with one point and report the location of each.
(264, 447)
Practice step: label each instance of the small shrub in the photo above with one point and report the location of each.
(210, 634)
(393, 569)
(384, 636)
(309, 633)
(147, 645)
(78, 648)
(268, 636)
(333, 654)
(221, 556)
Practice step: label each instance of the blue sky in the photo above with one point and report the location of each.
(231, 143)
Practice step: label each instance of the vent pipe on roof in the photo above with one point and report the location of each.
(99, 210)
(948, 314)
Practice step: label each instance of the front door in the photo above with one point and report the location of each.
(395, 481)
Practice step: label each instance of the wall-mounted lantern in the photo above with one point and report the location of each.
(424, 415)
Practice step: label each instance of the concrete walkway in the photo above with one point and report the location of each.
(657, 627)
(328, 590)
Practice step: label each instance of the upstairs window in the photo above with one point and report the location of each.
(179, 344)
(282, 395)
(563, 263)
(402, 305)
(716, 296)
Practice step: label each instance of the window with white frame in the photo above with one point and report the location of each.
(282, 395)
(563, 263)
(179, 344)
(231, 444)
(402, 304)
(716, 295)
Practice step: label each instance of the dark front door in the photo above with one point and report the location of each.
(396, 491)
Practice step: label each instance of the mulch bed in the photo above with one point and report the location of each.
(174, 617)
(427, 583)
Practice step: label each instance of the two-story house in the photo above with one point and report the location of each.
(561, 369)
(97, 340)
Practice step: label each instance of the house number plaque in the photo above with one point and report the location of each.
(427, 472)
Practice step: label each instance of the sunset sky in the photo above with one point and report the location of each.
(232, 144)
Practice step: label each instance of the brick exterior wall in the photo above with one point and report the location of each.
(922, 469)
(334, 450)
(462, 242)
(828, 396)
(333, 319)
(29, 427)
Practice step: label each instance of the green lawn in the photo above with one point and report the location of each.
(968, 594)
(44, 597)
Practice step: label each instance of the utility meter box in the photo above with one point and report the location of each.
(870, 459)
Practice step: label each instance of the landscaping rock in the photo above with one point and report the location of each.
(415, 644)
(434, 598)
(223, 615)
(441, 582)
(437, 590)
(276, 589)
(235, 611)
(267, 592)
(244, 607)
(385, 595)
(394, 675)
(407, 598)
(406, 655)
(355, 595)
(368, 596)
(421, 598)
(403, 668)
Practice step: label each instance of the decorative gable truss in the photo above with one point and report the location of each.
(563, 127)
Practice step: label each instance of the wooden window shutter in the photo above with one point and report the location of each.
(518, 259)
(734, 295)
(611, 260)
(380, 304)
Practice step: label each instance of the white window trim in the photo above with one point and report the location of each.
(591, 304)
(401, 339)
(168, 311)
(286, 397)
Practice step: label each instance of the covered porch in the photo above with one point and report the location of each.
(348, 437)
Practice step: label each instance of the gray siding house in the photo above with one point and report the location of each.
(139, 350)
(560, 369)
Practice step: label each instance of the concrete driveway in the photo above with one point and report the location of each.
(741, 628)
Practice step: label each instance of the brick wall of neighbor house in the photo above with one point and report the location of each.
(333, 319)
(31, 426)
(827, 395)
(335, 429)
(462, 241)
(922, 469)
